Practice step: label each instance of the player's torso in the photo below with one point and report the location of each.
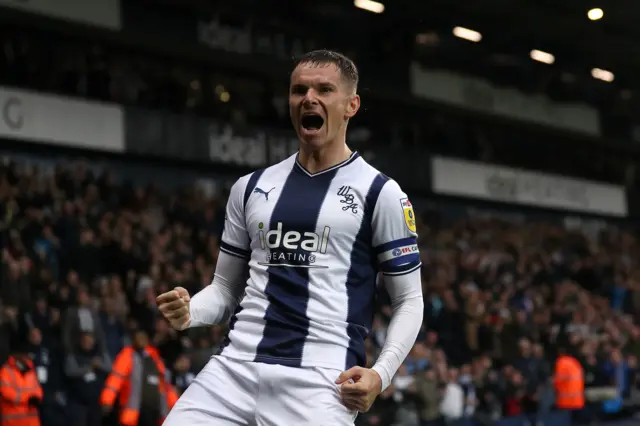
(306, 223)
(310, 247)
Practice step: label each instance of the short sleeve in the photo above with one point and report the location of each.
(235, 239)
(394, 232)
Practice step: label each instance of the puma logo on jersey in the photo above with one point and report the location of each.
(263, 192)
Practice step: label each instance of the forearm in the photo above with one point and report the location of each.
(406, 320)
(215, 303)
(212, 305)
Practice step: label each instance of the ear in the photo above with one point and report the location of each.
(353, 106)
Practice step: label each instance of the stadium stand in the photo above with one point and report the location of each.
(502, 293)
(524, 267)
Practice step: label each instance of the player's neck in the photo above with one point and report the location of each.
(315, 161)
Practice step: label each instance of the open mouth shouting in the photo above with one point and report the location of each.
(311, 123)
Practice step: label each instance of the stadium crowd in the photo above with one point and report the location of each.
(84, 256)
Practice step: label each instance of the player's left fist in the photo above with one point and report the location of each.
(359, 387)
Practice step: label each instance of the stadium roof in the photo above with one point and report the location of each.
(510, 30)
(514, 28)
(422, 31)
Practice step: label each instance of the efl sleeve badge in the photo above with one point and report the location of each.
(409, 215)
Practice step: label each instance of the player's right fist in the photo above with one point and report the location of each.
(174, 306)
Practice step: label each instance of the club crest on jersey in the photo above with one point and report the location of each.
(292, 248)
(409, 215)
(348, 199)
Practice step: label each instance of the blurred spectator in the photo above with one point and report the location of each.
(515, 393)
(569, 384)
(383, 412)
(469, 390)
(205, 348)
(20, 393)
(428, 395)
(404, 386)
(48, 368)
(183, 374)
(139, 381)
(86, 368)
(15, 273)
(113, 326)
(167, 341)
(82, 319)
(40, 318)
(84, 258)
(490, 404)
(452, 404)
(9, 325)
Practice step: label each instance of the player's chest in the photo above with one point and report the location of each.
(306, 210)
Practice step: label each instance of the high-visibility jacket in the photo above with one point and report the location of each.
(16, 388)
(126, 379)
(569, 383)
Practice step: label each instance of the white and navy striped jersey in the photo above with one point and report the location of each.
(315, 243)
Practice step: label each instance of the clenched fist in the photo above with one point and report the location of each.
(174, 306)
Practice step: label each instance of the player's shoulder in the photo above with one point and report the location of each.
(387, 186)
(281, 168)
(251, 179)
(365, 169)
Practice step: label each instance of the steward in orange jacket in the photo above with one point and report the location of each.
(20, 392)
(138, 377)
(568, 381)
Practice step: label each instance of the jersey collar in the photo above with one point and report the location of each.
(353, 157)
